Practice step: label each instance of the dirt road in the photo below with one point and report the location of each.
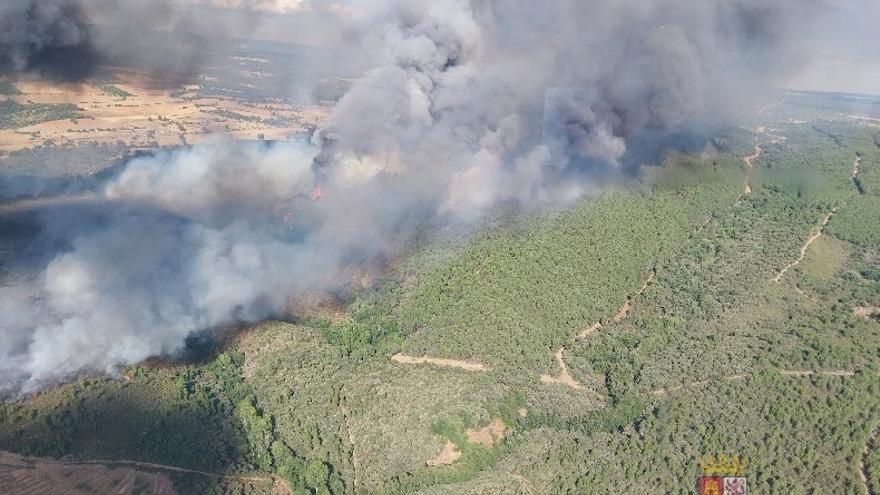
(810, 241)
(564, 377)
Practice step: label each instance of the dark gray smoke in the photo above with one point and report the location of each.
(70, 40)
(460, 106)
(51, 38)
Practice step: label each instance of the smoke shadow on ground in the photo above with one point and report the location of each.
(154, 417)
(651, 148)
(23, 186)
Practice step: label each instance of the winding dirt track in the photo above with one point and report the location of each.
(864, 473)
(23, 205)
(750, 159)
(241, 478)
(624, 310)
(806, 246)
(754, 156)
(857, 165)
(564, 377)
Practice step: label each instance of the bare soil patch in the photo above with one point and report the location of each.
(443, 362)
(866, 311)
(447, 455)
(488, 435)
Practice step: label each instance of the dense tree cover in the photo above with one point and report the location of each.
(797, 436)
(859, 221)
(514, 293)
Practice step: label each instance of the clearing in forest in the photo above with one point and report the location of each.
(866, 311)
(443, 362)
(488, 435)
(447, 455)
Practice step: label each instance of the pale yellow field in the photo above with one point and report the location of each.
(152, 116)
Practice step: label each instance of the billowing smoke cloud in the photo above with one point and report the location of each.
(48, 37)
(69, 40)
(461, 106)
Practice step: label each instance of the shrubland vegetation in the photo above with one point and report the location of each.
(516, 292)
(14, 115)
(8, 89)
(112, 90)
(714, 356)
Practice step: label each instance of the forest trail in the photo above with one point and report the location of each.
(624, 310)
(564, 377)
(806, 246)
(355, 460)
(442, 362)
(870, 489)
(749, 159)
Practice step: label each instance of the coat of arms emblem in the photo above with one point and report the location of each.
(722, 475)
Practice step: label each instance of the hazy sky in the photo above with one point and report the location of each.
(849, 63)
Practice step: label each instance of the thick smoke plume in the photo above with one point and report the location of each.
(50, 38)
(69, 40)
(461, 106)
